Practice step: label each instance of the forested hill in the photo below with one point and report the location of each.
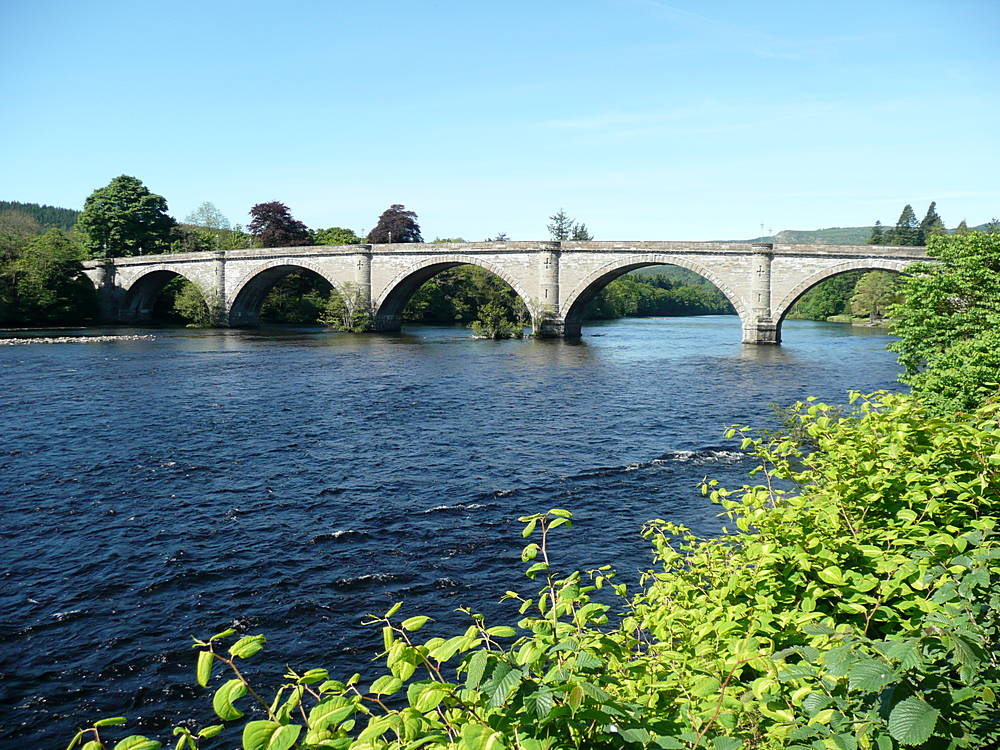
(833, 235)
(47, 216)
(830, 236)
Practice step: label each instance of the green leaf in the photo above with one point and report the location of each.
(269, 735)
(415, 623)
(560, 513)
(705, 686)
(474, 674)
(912, 721)
(247, 646)
(210, 732)
(204, 671)
(393, 610)
(224, 634)
(504, 687)
(832, 575)
(312, 676)
(870, 676)
(727, 743)
(428, 696)
(502, 631)
(635, 734)
(479, 737)
(138, 742)
(529, 528)
(112, 722)
(541, 703)
(329, 712)
(905, 652)
(386, 685)
(222, 702)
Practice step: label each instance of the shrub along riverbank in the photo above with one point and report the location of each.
(854, 601)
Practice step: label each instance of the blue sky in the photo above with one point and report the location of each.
(645, 119)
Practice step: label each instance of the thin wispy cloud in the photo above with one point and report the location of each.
(714, 117)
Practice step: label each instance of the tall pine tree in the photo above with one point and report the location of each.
(878, 237)
(931, 225)
(906, 231)
(561, 226)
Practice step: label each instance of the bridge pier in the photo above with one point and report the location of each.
(760, 328)
(761, 332)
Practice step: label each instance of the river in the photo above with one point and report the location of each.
(289, 481)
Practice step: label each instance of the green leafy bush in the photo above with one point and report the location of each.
(948, 320)
(854, 604)
(493, 323)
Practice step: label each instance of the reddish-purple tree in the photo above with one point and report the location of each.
(396, 224)
(272, 223)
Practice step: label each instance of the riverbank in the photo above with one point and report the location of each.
(882, 323)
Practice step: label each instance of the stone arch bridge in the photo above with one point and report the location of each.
(556, 280)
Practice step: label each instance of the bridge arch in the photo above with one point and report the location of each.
(782, 308)
(392, 301)
(575, 302)
(139, 296)
(247, 296)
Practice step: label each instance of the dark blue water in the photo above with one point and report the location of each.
(289, 482)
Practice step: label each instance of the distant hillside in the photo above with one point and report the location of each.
(834, 235)
(676, 273)
(830, 236)
(48, 216)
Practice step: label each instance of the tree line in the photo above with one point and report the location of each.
(41, 274)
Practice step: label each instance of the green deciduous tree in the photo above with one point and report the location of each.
(828, 298)
(950, 310)
(208, 216)
(874, 294)
(458, 294)
(124, 218)
(396, 224)
(191, 306)
(336, 236)
(48, 283)
(493, 323)
(347, 309)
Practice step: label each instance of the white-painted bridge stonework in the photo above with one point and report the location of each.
(556, 280)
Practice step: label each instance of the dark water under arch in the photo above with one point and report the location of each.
(292, 480)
